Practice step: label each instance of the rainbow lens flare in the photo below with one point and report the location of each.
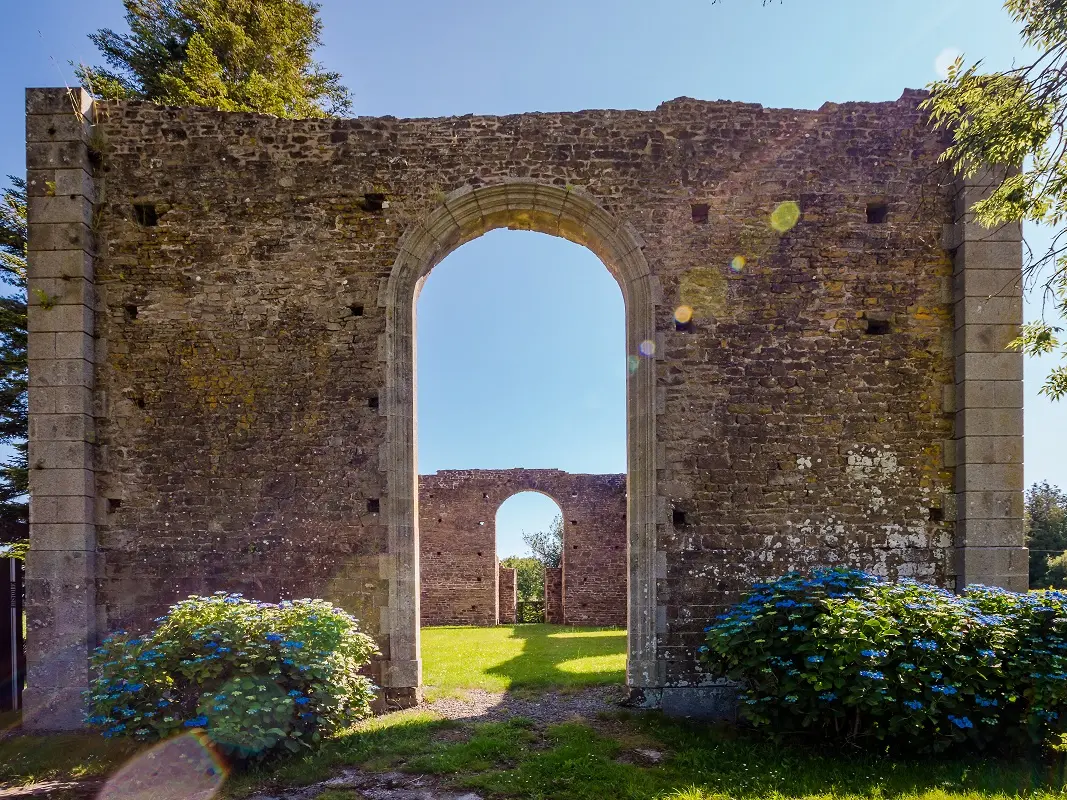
(182, 768)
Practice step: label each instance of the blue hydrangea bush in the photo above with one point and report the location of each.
(912, 666)
(257, 678)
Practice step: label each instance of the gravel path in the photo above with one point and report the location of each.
(544, 708)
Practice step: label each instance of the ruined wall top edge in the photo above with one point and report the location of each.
(516, 471)
(909, 97)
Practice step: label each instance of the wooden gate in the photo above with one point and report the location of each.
(12, 640)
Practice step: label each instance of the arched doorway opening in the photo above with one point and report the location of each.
(521, 360)
(463, 216)
(529, 540)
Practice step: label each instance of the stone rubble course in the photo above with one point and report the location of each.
(221, 349)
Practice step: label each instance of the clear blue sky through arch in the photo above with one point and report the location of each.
(521, 361)
(429, 58)
(524, 512)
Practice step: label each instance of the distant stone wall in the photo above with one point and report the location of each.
(554, 596)
(508, 595)
(457, 530)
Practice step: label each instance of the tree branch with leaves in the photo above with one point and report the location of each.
(1017, 118)
(547, 546)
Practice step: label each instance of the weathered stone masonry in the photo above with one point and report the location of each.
(457, 538)
(221, 356)
(507, 596)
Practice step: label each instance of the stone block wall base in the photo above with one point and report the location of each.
(53, 709)
(1006, 567)
(695, 702)
(395, 699)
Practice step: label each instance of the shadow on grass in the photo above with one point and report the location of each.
(28, 758)
(558, 656)
(620, 754)
(630, 755)
(520, 657)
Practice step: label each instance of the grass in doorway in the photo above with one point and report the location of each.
(520, 657)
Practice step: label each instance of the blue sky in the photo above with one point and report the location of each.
(520, 336)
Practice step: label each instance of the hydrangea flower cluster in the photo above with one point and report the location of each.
(897, 662)
(256, 677)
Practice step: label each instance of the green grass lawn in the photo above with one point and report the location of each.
(32, 759)
(520, 657)
(599, 760)
(595, 759)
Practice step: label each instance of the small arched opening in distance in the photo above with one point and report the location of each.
(465, 215)
(523, 513)
(520, 517)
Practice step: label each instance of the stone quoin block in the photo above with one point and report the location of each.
(990, 394)
(990, 450)
(991, 532)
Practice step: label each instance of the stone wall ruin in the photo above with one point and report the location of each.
(458, 564)
(221, 357)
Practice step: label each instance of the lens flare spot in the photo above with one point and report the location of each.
(737, 263)
(647, 348)
(785, 216)
(182, 768)
(683, 314)
(945, 61)
(632, 363)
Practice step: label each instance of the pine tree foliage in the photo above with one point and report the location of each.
(14, 424)
(1016, 118)
(233, 55)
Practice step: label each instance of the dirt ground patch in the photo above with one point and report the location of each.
(542, 708)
